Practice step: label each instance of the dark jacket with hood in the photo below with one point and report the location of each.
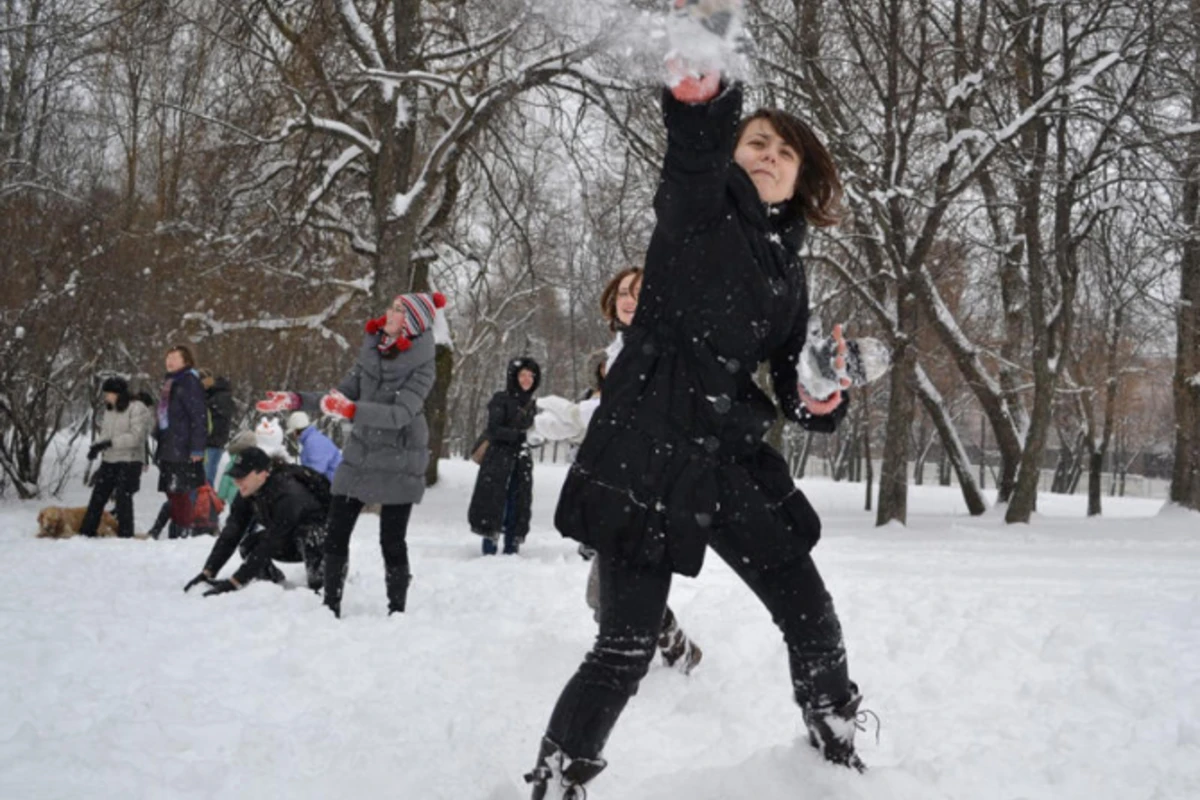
(284, 506)
(186, 430)
(507, 460)
(219, 399)
(675, 449)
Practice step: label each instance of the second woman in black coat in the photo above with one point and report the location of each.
(504, 487)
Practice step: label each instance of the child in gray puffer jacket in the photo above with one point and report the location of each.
(121, 445)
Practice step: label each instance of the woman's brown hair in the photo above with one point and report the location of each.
(185, 353)
(818, 195)
(608, 298)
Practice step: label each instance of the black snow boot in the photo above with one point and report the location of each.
(164, 516)
(557, 776)
(831, 730)
(336, 567)
(273, 574)
(398, 581)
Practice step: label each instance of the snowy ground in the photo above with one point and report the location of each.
(1056, 660)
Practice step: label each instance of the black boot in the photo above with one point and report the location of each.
(273, 574)
(557, 776)
(164, 516)
(398, 581)
(831, 730)
(335, 578)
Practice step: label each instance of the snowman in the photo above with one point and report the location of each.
(270, 438)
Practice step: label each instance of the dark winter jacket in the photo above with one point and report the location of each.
(284, 506)
(184, 430)
(676, 447)
(507, 466)
(386, 455)
(219, 400)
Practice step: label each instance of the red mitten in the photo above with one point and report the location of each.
(336, 404)
(279, 401)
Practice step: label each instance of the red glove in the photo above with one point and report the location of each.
(279, 401)
(336, 404)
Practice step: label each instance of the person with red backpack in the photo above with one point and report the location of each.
(278, 515)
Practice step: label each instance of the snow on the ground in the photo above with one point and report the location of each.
(1055, 660)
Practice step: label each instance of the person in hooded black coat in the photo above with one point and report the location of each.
(674, 459)
(218, 399)
(504, 487)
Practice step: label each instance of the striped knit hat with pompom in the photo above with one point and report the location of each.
(420, 308)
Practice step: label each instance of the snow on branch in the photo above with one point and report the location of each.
(342, 131)
(360, 35)
(316, 322)
(331, 173)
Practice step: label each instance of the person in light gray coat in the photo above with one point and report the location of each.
(385, 459)
(124, 429)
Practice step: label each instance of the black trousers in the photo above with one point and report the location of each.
(305, 543)
(632, 602)
(121, 479)
(393, 530)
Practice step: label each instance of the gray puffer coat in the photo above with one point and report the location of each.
(385, 459)
(127, 428)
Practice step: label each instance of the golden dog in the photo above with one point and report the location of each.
(58, 522)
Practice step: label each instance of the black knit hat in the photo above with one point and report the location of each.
(115, 385)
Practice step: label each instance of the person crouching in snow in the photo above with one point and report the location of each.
(317, 451)
(503, 495)
(674, 460)
(278, 515)
(385, 458)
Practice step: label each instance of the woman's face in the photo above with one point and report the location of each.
(627, 297)
(394, 325)
(174, 361)
(525, 379)
(110, 398)
(772, 163)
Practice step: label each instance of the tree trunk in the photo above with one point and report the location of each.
(435, 411)
(1185, 477)
(893, 469)
(957, 454)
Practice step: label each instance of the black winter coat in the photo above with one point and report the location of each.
(283, 506)
(219, 400)
(187, 420)
(510, 414)
(675, 448)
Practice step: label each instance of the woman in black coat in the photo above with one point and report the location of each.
(674, 460)
(181, 427)
(504, 487)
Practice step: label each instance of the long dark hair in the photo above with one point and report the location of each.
(818, 195)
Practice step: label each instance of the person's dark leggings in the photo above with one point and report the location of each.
(393, 528)
(512, 544)
(308, 545)
(632, 603)
(121, 479)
